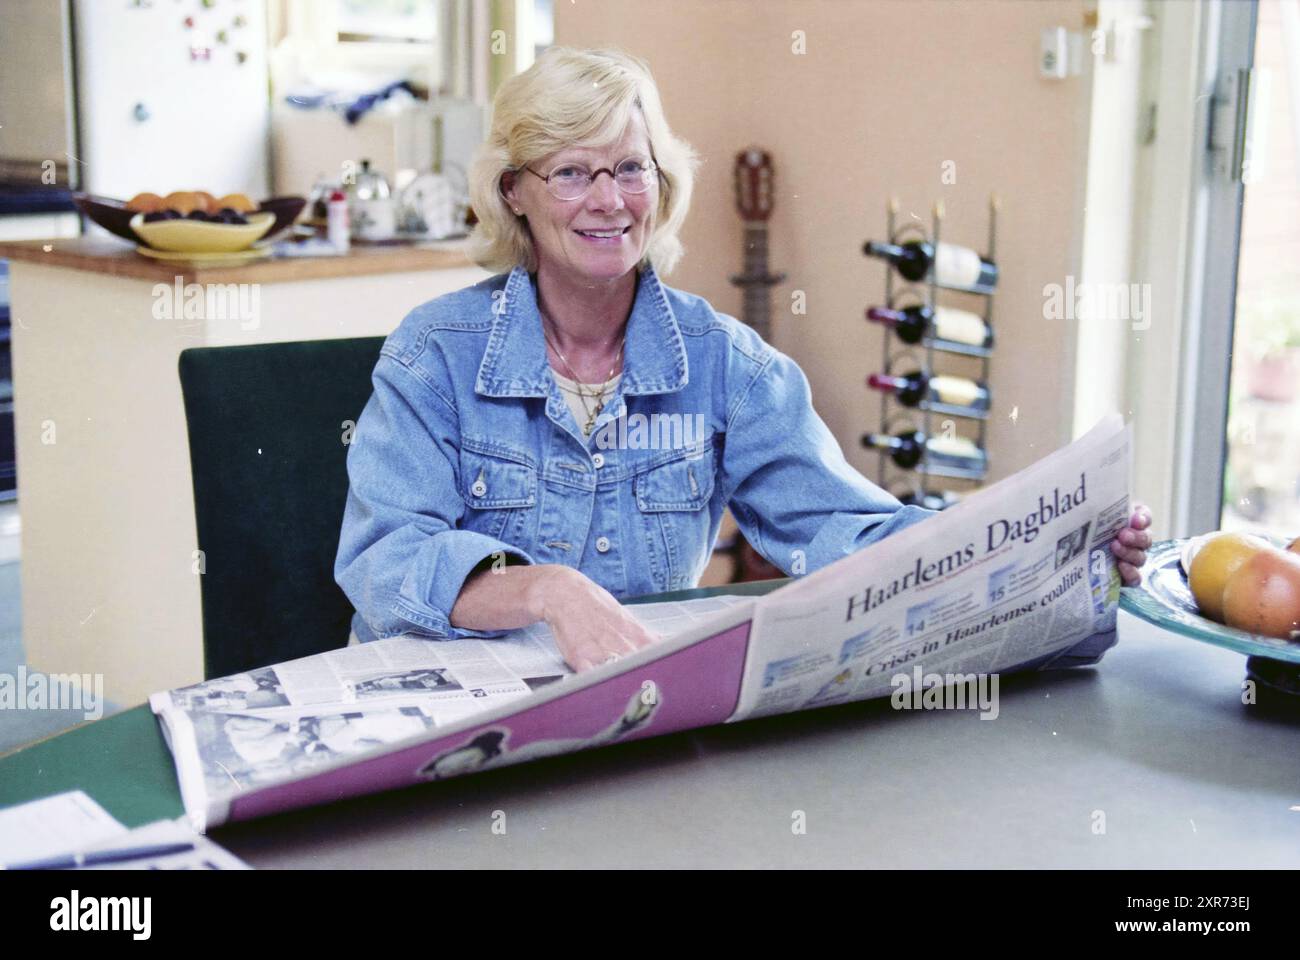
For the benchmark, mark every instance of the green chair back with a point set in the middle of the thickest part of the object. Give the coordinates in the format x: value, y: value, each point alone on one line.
x: 266, y: 428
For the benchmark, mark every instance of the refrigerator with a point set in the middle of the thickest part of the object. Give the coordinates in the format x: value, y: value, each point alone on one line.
x: 171, y: 95
x: 122, y: 96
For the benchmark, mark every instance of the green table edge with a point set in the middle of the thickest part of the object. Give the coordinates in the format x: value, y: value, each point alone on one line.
x: 121, y: 761
x: 124, y: 764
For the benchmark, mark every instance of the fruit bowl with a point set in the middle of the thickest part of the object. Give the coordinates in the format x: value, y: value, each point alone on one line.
x: 115, y: 217
x: 200, y: 236
x: 1166, y: 600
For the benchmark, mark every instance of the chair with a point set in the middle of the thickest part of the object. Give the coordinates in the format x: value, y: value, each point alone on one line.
x: 270, y: 481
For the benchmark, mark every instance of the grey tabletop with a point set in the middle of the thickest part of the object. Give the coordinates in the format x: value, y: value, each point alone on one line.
x: 1149, y: 759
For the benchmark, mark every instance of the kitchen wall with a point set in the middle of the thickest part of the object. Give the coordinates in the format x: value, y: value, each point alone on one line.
x: 886, y: 93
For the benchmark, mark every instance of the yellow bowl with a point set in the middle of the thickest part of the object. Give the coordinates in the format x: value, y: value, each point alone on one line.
x: 199, y: 236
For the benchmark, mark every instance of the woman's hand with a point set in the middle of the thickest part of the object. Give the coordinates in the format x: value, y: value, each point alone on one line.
x: 589, y: 625
x: 1130, y: 545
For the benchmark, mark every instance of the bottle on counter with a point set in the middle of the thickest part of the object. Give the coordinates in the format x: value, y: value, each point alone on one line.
x: 318, y: 202
x: 913, y: 388
x: 913, y: 324
x: 338, y: 230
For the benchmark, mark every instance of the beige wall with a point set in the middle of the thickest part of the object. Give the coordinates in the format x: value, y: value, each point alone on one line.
x: 887, y: 91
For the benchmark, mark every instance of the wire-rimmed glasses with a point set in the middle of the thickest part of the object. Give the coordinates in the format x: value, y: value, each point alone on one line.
x: 570, y: 181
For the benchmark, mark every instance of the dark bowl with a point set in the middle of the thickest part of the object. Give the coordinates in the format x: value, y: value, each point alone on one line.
x: 286, y: 210
x: 114, y: 217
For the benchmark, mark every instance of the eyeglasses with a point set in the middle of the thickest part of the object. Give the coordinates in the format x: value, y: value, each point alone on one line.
x: 569, y: 181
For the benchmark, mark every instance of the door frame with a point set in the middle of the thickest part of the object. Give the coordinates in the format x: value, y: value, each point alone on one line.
x: 1191, y: 228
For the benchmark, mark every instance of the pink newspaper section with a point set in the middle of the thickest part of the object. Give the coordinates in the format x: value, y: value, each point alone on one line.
x: 693, y: 687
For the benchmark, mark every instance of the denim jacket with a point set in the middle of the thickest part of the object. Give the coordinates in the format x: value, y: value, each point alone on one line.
x: 467, y: 451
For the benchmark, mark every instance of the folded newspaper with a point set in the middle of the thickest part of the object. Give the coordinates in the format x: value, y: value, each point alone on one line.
x: 1017, y: 576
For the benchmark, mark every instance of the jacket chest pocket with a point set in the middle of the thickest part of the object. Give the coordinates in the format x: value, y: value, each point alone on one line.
x: 672, y: 502
x: 499, y: 487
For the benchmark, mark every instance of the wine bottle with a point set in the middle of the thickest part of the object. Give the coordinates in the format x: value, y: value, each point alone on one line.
x: 914, y: 323
x: 913, y: 388
x: 956, y: 268
x: 905, y: 449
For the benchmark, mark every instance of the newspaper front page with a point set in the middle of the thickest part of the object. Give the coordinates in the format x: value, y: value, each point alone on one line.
x: 1010, y: 576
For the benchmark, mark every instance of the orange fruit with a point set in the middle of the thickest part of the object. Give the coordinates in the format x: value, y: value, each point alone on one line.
x: 183, y: 202
x: 237, y: 201
x: 145, y: 203
x: 1214, y: 563
x: 1263, y: 595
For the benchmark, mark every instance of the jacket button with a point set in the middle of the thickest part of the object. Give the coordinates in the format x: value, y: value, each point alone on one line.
x: 598, y: 460
x: 602, y: 544
x: 479, y: 489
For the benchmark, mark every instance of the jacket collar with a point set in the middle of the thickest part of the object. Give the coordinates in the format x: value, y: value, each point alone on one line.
x: 514, y: 363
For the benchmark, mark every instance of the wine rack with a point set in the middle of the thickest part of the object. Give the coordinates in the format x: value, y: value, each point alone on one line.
x: 929, y: 413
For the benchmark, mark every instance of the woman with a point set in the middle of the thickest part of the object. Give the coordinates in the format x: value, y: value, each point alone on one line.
x: 571, y: 431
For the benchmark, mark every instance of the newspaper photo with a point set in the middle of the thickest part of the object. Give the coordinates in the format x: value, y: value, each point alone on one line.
x: 273, y: 724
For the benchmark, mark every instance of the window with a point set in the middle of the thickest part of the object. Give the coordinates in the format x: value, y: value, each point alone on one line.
x: 386, y: 21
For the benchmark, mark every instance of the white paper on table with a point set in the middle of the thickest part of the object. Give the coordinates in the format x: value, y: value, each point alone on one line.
x: 54, y: 825
x: 205, y: 855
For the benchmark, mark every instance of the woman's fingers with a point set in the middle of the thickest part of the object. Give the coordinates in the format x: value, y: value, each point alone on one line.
x: 590, y: 658
x: 1134, y: 555
x: 642, y: 637
x: 595, y: 640
x: 1130, y: 537
x: 1130, y: 561
x: 625, y: 643
x: 1131, y: 543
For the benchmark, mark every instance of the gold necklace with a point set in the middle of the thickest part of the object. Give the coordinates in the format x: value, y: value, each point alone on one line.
x: 583, y: 397
x: 592, y: 414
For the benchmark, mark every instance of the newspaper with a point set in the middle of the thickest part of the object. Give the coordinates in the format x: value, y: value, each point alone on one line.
x: 1017, y: 576
x: 235, y: 733
x: 999, y: 582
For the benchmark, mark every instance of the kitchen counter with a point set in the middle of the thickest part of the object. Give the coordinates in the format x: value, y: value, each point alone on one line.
x: 115, y: 257
x: 104, y: 484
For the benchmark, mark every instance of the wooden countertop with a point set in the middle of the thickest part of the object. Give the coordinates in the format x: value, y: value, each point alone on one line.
x: 114, y: 257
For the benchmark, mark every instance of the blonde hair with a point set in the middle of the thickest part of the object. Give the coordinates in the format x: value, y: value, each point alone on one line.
x: 573, y: 98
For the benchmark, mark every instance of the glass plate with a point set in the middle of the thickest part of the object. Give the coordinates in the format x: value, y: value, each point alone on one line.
x: 1165, y: 600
